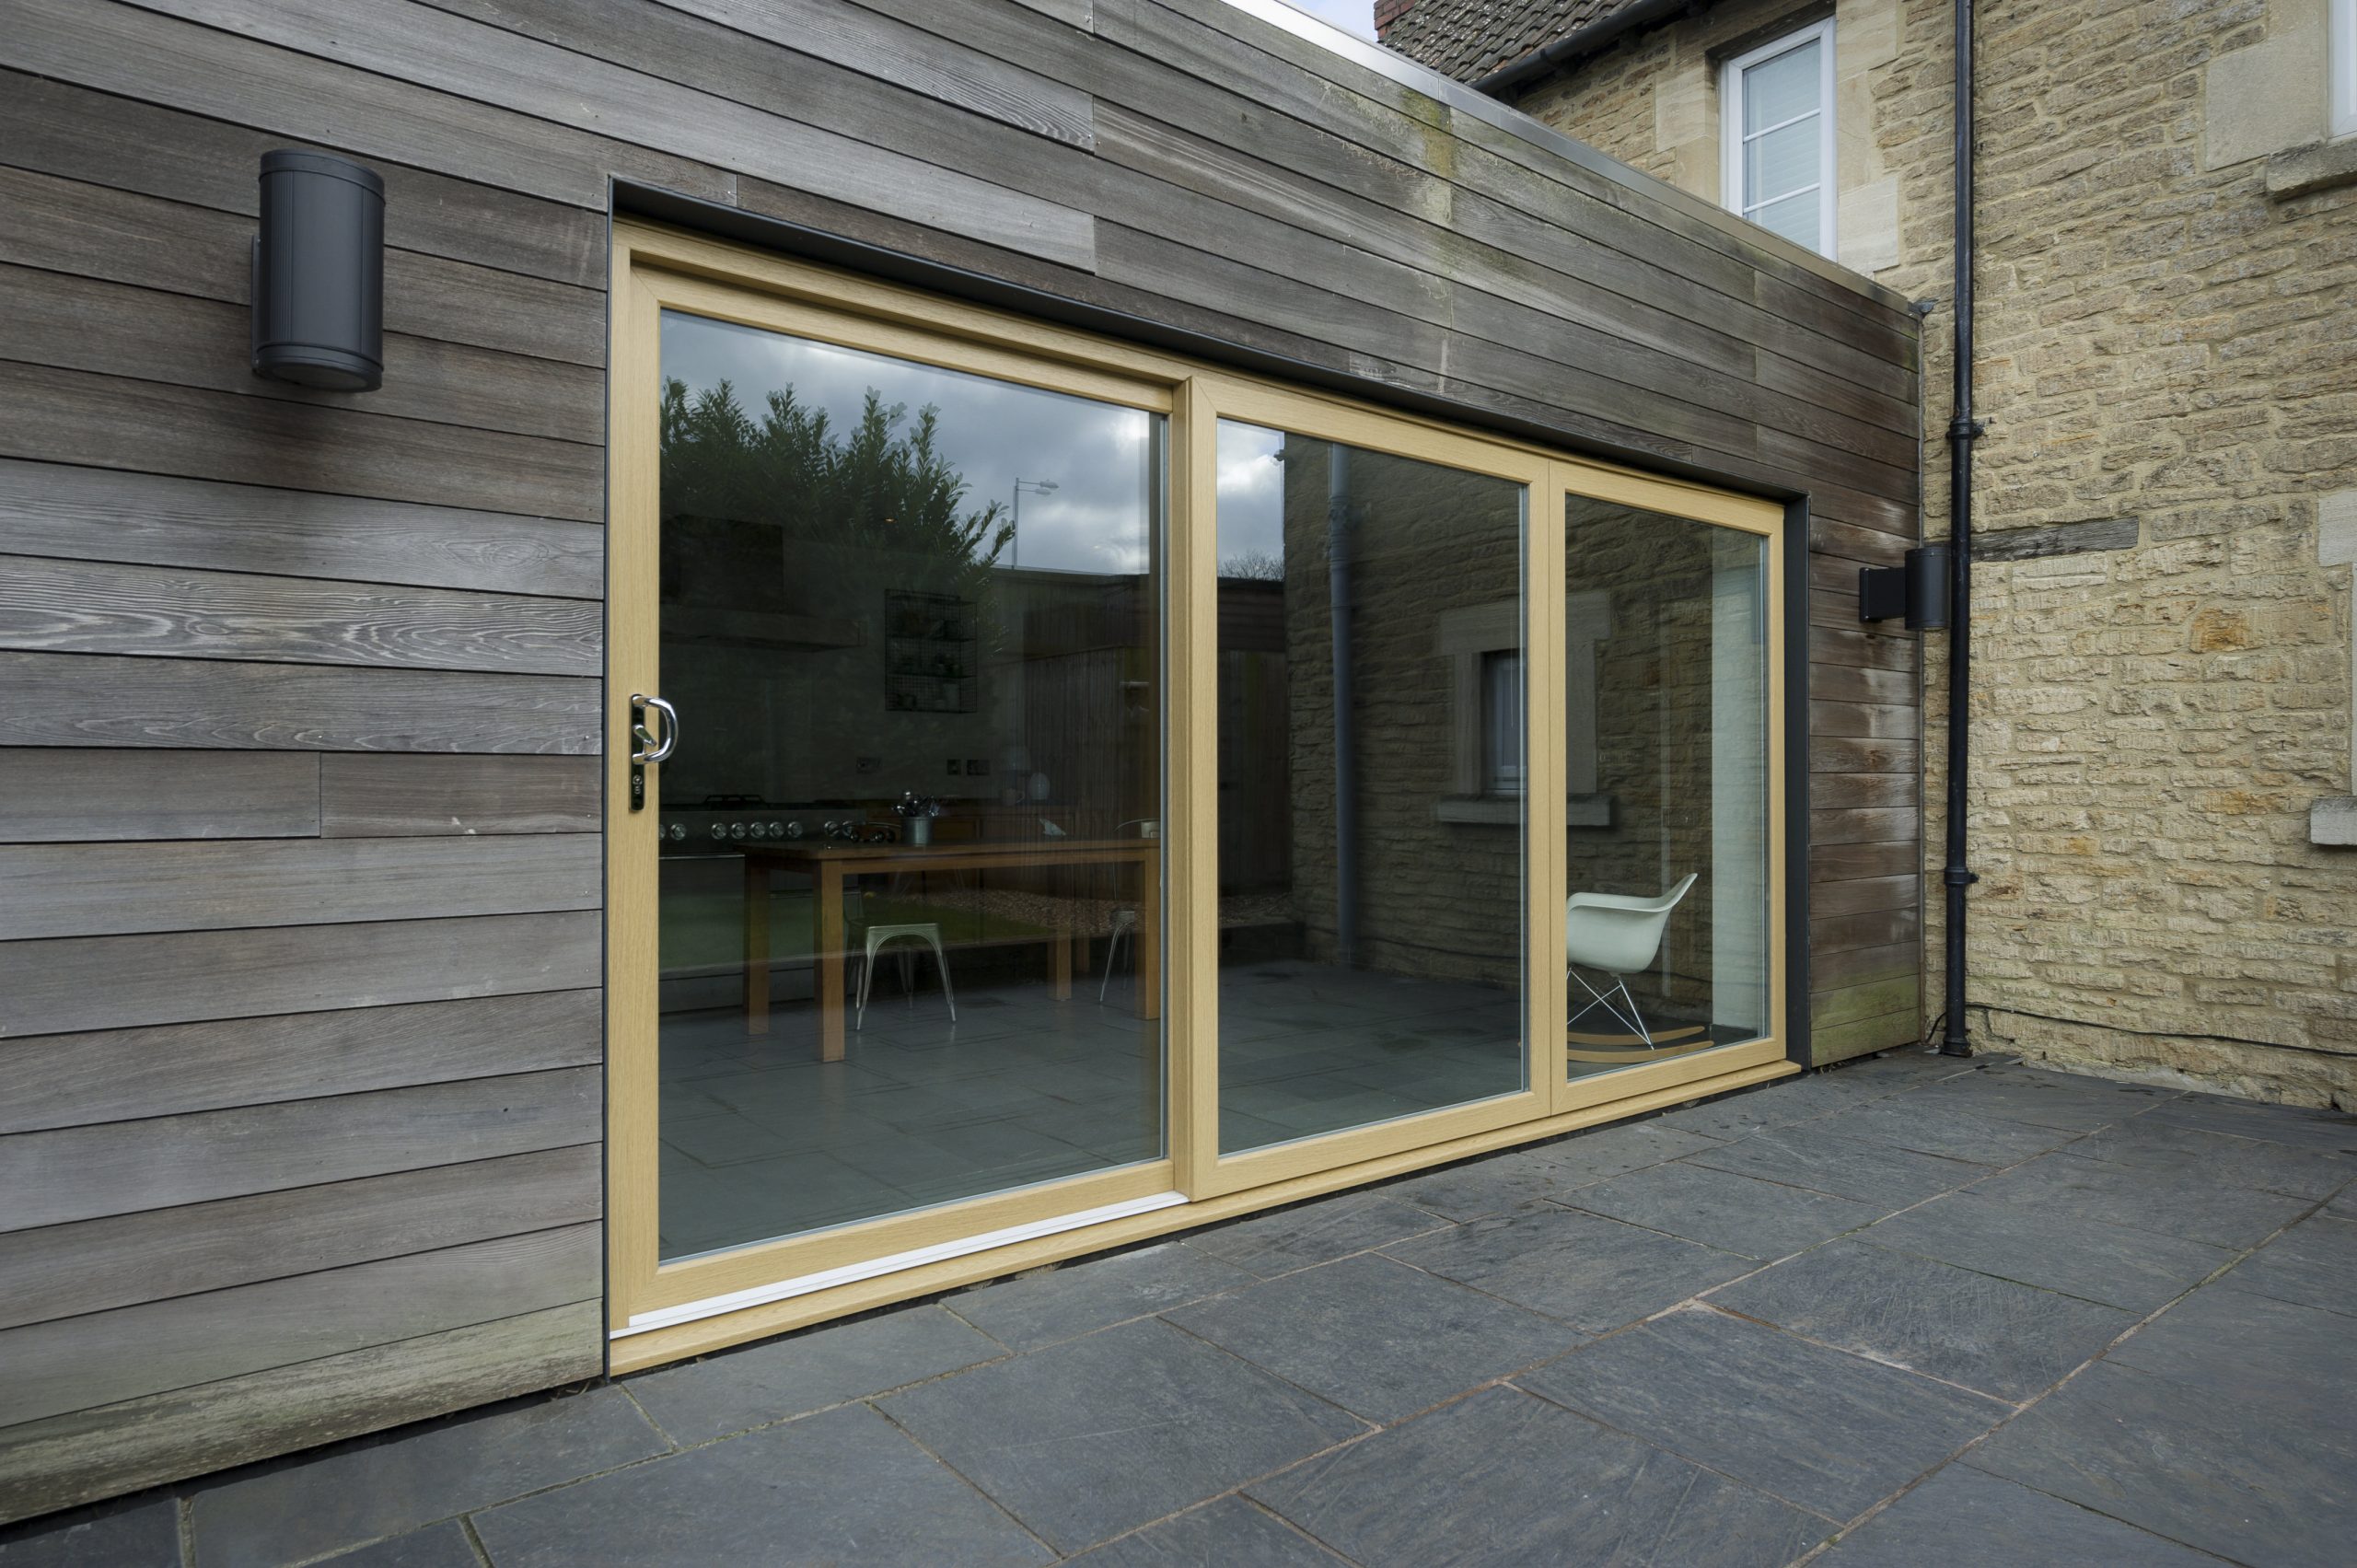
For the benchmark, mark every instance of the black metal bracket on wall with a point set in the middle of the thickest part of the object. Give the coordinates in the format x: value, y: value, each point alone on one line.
x: 1917, y: 591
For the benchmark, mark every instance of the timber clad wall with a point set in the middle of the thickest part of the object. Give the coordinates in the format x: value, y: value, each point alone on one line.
x: 299, y: 954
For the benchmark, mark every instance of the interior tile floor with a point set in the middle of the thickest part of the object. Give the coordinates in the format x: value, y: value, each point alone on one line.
x: 1909, y: 1311
x: 761, y: 1139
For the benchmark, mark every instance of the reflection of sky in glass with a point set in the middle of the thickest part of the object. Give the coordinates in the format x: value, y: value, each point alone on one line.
x: 1097, y: 454
x: 1251, y: 495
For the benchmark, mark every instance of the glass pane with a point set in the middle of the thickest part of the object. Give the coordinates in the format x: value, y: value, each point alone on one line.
x: 1371, y: 895
x: 909, y: 620
x: 1781, y: 163
x: 1666, y: 753
x: 1777, y: 89
x: 1794, y: 217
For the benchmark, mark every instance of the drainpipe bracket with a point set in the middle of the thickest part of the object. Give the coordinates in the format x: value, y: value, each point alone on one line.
x: 1957, y: 876
x: 1966, y: 429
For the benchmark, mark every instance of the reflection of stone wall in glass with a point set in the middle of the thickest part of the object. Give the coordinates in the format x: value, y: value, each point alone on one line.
x: 1435, y: 899
x: 1680, y: 748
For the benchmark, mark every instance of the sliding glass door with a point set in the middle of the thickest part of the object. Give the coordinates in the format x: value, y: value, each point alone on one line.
x: 1672, y: 777
x: 1060, y: 792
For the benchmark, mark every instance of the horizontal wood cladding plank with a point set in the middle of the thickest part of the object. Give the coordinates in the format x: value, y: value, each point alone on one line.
x: 215, y: 885
x: 76, y: 1080
x: 1889, y: 1032
x: 107, y: 982
x: 59, y: 1176
x: 1848, y: 862
x: 1653, y: 332
x: 115, y: 329
x: 51, y: 508
x: 95, y: 700
x: 97, y: 1265
x: 1861, y: 683
x: 1864, y: 928
x: 488, y: 65
x: 1865, y: 893
x: 1863, y: 825
x: 1679, y: 212
x: 1844, y: 754
x: 1863, y: 966
x: 1271, y: 66
x: 72, y: 416
x: 1866, y: 721
x: 77, y: 607
x: 1372, y: 336
x: 115, y: 49
x: 70, y: 1364
x: 367, y: 795
x: 97, y: 231
x: 58, y: 128
x: 653, y: 38
x: 1840, y: 789
x: 1873, y: 646
x: 70, y: 796
x: 110, y: 1449
x: 1850, y: 1003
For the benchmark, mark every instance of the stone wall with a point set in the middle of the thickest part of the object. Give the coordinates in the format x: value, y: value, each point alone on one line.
x: 2168, y: 368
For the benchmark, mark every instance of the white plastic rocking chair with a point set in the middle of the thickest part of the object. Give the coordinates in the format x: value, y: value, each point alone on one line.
x: 1615, y: 935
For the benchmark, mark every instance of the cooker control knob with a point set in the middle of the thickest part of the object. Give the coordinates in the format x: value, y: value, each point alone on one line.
x: 736, y: 830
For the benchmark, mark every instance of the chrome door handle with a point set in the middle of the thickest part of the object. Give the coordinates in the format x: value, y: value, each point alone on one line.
x: 644, y: 747
x: 649, y: 749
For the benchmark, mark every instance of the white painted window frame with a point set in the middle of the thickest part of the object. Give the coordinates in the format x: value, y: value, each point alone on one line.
x: 1731, y: 117
x: 2341, y: 74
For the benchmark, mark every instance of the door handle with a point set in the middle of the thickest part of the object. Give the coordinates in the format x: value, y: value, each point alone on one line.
x: 649, y: 749
x: 645, y: 745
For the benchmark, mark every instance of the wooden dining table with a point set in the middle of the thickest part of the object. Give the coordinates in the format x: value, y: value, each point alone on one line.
x: 829, y: 865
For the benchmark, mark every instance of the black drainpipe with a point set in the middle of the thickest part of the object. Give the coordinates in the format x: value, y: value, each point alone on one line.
x: 1963, y: 431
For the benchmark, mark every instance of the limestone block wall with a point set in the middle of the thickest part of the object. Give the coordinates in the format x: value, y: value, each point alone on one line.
x: 2163, y: 665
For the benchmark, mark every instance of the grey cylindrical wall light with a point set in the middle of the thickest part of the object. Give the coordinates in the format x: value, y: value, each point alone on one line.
x: 318, y: 273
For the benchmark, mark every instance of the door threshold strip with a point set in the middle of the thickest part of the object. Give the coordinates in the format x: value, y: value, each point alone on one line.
x: 892, y: 1263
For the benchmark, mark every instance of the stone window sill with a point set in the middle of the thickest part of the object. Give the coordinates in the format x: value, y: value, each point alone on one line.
x: 2320, y: 165
x: 1505, y: 810
x: 2333, y: 820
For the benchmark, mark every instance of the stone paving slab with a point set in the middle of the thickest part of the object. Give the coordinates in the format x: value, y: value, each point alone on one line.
x: 2134, y: 1269
x: 1377, y: 1337
x: 1551, y: 1488
x: 1994, y: 1336
x: 1718, y: 1208
x: 1966, y: 1519
x: 1933, y: 1311
x: 1090, y: 1439
x: 291, y: 1512
x: 844, y: 1486
x: 1829, y: 1431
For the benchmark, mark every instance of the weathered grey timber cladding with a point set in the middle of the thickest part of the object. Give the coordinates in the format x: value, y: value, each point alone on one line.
x: 299, y: 692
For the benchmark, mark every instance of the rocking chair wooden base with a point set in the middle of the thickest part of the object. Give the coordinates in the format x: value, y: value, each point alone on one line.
x: 1620, y: 1048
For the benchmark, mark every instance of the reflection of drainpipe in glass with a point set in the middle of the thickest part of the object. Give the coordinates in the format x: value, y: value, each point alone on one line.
x: 1346, y: 780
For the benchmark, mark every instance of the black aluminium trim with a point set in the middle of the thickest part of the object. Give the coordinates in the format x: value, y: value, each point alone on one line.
x: 1798, y: 1045
x: 963, y: 282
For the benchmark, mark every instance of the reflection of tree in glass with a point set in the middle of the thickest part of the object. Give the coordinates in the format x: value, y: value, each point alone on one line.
x: 873, y: 487
x: 1254, y: 565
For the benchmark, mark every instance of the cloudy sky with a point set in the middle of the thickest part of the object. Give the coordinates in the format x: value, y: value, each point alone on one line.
x: 1354, y: 16
x: 1097, y: 456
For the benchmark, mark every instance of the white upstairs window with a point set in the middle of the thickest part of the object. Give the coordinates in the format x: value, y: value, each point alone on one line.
x: 2343, y: 74
x: 1776, y: 108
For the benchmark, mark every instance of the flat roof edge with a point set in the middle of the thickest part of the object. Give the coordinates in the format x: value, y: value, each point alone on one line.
x: 1463, y: 100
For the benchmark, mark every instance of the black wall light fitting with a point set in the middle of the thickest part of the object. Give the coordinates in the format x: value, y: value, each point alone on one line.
x: 318, y: 273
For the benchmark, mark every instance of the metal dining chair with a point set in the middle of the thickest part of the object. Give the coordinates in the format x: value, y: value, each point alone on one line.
x: 873, y: 939
x: 1615, y: 935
